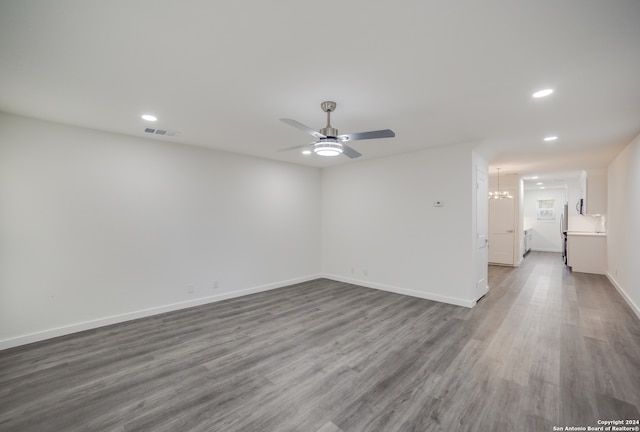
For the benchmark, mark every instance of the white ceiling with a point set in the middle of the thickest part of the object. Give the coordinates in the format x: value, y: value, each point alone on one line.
x: 436, y: 72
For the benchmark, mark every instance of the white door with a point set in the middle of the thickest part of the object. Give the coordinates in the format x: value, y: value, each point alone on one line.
x: 502, y: 230
x: 482, y: 238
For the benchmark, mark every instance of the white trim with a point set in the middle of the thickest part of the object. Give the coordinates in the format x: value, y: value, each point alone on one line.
x: 403, y: 291
x: 546, y: 250
x: 115, y: 319
x: 624, y: 295
x: 484, y: 293
x: 506, y: 265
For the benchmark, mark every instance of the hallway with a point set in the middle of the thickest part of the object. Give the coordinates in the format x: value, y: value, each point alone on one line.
x: 566, y: 342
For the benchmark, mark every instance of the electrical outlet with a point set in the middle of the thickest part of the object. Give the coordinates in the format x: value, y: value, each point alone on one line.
x: 365, y: 272
x: 215, y: 284
x: 191, y: 289
x: 352, y: 270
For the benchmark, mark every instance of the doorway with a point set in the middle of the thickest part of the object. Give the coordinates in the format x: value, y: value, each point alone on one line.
x: 502, y: 232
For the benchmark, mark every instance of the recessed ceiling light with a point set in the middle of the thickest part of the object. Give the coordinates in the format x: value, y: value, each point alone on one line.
x: 534, y: 178
x: 539, y: 183
x: 550, y: 138
x: 149, y: 117
x: 542, y: 93
x: 541, y: 187
x: 306, y: 152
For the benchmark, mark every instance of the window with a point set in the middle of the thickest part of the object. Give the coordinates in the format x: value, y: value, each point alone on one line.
x: 546, y: 210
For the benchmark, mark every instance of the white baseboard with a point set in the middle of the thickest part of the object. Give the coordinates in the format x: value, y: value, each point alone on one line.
x: 624, y: 295
x: 404, y: 291
x: 115, y: 319
x: 546, y: 250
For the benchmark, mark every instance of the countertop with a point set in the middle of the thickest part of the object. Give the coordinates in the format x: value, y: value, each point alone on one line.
x: 586, y: 234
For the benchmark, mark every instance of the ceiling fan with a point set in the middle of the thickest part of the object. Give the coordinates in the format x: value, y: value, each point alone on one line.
x: 329, y: 142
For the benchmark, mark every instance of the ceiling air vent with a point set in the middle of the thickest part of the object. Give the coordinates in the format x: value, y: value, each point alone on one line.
x: 161, y: 132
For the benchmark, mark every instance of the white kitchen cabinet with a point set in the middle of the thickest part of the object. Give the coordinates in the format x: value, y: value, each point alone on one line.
x: 587, y: 252
x: 593, y: 190
x: 596, y: 194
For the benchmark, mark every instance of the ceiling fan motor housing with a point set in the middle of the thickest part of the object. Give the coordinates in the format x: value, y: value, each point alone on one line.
x: 329, y: 132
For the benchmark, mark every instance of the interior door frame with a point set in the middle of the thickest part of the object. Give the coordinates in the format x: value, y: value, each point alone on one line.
x: 482, y: 233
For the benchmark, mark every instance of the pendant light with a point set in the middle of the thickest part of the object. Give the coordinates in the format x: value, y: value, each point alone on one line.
x: 497, y: 194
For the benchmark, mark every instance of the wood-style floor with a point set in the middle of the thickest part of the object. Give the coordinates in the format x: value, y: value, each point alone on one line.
x: 544, y: 348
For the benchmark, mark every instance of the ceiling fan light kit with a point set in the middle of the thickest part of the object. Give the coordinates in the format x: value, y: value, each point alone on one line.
x: 329, y: 142
x: 327, y: 147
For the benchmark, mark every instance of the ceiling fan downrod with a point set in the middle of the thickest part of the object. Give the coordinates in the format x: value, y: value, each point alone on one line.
x: 328, y: 131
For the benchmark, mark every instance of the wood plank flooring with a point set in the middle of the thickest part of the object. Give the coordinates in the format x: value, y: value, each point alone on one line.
x: 546, y: 347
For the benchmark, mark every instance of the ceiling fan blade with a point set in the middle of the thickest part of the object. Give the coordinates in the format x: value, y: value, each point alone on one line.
x: 302, y: 127
x: 348, y: 151
x: 295, y: 147
x: 385, y: 133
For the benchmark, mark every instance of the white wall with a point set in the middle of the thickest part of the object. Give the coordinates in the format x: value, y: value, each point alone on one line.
x: 96, y: 227
x: 381, y: 229
x: 623, y: 226
x: 546, y: 234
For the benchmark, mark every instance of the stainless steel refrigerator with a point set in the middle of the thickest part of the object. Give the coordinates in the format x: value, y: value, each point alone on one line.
x: 564, y: 226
